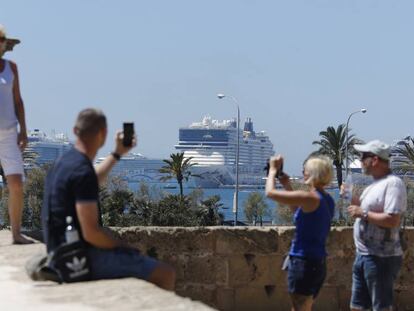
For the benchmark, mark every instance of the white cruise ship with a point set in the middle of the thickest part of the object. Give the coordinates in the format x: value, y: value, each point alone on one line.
x: 135, y: 168
x: 398, y: 159
x: 47, y: 148
x: 212, y: 144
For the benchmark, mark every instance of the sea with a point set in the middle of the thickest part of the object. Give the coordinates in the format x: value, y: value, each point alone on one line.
x: 226, y: 198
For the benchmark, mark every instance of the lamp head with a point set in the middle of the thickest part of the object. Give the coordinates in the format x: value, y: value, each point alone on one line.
x: 363, y: 110
x: 221, y: 96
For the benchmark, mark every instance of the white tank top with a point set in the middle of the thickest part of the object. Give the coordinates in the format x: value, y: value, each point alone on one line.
x: 8, y: 117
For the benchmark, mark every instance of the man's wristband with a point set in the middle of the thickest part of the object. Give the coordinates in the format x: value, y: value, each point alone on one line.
x: 116, y: 156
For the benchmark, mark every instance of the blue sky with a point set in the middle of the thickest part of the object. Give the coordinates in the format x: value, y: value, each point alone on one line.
x: 295, y: 67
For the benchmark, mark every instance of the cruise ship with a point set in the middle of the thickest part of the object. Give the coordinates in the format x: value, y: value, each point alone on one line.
x: 212, y: 144
x: 398, y: 159
x: 46, y: 148
x: 135, y: 168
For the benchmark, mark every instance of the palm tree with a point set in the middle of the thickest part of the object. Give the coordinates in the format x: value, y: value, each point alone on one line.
x: 406, y: 163
x: 333, y: 143
x: 178, y: 168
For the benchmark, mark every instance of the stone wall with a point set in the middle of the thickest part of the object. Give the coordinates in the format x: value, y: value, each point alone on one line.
x: 239, y: 268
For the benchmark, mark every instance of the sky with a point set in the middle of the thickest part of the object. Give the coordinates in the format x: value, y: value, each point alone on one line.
x: 295, y: 67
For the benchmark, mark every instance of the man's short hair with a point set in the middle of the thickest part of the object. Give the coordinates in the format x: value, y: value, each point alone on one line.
x: 89, y: 122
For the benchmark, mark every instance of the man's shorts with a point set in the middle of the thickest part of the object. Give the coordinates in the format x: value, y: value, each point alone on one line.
x: 120, y: 263
x: 373, y: 280
x: 306, y: 276
x: 10, y: 155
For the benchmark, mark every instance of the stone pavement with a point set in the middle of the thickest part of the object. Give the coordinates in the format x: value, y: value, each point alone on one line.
x: 18, y: 292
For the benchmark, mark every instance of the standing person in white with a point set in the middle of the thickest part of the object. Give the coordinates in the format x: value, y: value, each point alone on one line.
x: 378, y: 215
x: 12, y: 140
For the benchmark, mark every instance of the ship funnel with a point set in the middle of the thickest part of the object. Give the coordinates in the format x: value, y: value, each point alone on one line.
x: 248, y: 125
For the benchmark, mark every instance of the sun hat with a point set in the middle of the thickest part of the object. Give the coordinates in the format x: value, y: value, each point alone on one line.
x: 10, y: 42
x: 377, y: 147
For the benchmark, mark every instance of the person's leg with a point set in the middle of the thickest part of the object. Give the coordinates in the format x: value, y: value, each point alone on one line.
x: 380, y: 273
x: 301, y: 302
x: 360, y: 299
x: 127, y: 262
x: 15, y: 187
x: 12, y: 164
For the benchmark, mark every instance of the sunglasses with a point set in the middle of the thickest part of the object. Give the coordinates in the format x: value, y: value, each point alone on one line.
x: 367, y: 155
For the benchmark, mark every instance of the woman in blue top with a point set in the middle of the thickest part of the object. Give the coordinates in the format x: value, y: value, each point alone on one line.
x: 313, y: 211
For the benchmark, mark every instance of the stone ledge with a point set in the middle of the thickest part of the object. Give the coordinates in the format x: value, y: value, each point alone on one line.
x: 17, y: 292
x: 225, y: 267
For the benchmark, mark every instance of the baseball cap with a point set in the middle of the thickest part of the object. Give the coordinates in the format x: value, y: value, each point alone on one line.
x: 377, y: 147
x: 10, y: 42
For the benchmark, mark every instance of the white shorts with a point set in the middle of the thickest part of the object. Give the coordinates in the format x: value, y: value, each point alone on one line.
x: 10, y: 156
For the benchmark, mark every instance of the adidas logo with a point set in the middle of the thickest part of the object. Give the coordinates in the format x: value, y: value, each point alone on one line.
x: 78, y: 267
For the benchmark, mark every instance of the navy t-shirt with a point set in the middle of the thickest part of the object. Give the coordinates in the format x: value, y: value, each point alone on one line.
x: 71, y: 179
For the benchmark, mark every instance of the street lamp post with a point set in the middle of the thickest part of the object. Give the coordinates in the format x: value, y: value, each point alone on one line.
x: 236, y: 188
x: 363, y: 110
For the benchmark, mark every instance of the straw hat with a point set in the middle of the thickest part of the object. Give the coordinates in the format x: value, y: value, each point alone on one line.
x: 10, y: 42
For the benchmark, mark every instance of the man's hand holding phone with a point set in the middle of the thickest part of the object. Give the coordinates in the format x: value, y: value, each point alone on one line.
x: 125, y: 140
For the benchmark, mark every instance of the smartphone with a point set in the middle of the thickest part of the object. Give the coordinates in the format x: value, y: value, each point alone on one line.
x: 128, y: 133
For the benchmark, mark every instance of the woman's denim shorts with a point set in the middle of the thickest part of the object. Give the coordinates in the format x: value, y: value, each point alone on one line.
x: 306, y: 276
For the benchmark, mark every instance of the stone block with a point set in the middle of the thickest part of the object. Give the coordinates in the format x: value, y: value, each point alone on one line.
x: 200, y: 270
x: 221, y: 270
x: 344, y: 297
x: 246, y: 240
x: 167, y: 240
x: 225, y: 299
x: 285, y: 236
x: 252, y: 270
x: 339, y: 271
x: 404, y: 300
x: 262, y: 298
x: 327, y: 300
x: 204, y: 293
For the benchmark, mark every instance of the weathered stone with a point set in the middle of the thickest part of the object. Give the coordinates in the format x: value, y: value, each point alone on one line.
x: 339, y: 271
x: 17, y: 292
x: 222, y: 270
x: 327, y: 300
x: 261, y: 299
x: 344, y: 297
x: 285, y: 236
x: 172, y: 239
x: 200, y: 292
x: 246, y: 240
x: 200, y: 270
x: 225, y: 299
x: 239, y: 268
x: 253, y: 270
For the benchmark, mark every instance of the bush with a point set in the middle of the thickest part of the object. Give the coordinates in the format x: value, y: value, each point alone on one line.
x: 255, y: 208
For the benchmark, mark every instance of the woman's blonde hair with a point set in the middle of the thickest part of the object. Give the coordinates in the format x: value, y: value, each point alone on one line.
x: 320, y: 171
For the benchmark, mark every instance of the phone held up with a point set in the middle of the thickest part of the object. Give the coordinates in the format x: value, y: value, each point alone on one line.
x: 128, y: 128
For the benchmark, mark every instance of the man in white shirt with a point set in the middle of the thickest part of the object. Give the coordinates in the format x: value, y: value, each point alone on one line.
x: 12, y: 141
x: 378, y: 214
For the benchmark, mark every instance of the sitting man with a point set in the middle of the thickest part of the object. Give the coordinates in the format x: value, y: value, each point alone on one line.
x: 71, y: 189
